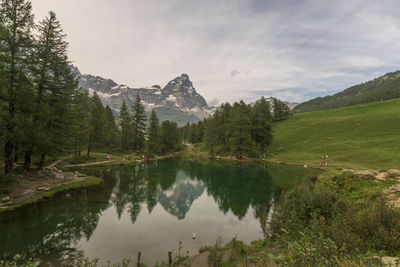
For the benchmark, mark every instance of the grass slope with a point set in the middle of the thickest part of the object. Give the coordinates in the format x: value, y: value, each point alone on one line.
x: 365, y: 136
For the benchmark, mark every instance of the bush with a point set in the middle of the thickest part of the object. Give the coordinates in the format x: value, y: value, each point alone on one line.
x: 357, y: 227
x: 313, y: 249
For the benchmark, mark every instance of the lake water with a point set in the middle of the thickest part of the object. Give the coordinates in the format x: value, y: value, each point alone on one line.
x: 149, y: 209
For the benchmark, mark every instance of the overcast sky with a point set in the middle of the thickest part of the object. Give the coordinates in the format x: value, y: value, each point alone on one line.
x: 294, y: 50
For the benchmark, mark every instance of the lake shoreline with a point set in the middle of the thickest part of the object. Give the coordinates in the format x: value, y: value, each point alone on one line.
x: 46, y: 191
x: 32, y: 188
x: 87, y: 181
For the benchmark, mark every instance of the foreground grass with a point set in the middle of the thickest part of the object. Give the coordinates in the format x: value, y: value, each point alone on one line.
x: 360, y: 137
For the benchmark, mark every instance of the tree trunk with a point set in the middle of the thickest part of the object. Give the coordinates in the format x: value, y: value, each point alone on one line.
x: 16, y: 153
x: 76, y: 149
x: 41, y: 163
x: 8, y: 157
x: 27, y: 160
x: 88, y: 150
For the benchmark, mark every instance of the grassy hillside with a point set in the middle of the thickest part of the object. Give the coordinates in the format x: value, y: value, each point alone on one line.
x: 382, y: 88
x: 365, y: 136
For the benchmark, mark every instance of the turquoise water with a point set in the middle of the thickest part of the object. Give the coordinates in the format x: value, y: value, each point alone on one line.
x: 150, y: 209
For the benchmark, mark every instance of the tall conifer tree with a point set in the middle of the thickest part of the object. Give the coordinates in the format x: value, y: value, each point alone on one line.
x: 240, y: 137
x: 97, y: 122
x: 15, y: 44
x: 153, y: 141
x: 138, y: 125
x: 125, y: 123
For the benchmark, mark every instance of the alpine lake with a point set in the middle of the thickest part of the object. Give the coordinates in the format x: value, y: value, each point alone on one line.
x: 151, y: 209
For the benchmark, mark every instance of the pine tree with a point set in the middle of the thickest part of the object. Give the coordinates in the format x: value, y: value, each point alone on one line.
x: 211, y: 133
x: 261, y: 118
x: 111, y: 129
x: 97, y: 122
x: 125, y: 123
x: 138, y: 125
x: 239, y: 128
x: 81, y: 117
x: 281, y: 111
x: 55, y: 88
x: 168, y: 137
x: 15, y: 45
x: 153, y: 141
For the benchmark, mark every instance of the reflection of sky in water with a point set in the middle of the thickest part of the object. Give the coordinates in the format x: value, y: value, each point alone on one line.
x: 148, y: 209
x: 156, y: 233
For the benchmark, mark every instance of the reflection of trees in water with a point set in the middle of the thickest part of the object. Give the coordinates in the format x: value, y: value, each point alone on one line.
x: 234, y: 188
x: 51, y: 229
x: 176, y: 184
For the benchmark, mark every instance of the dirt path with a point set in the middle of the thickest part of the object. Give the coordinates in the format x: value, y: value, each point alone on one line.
x: 54, y: 164
x: 89, y: 163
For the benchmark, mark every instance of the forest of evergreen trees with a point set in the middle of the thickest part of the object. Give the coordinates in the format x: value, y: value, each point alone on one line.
x: 42, y: 110
x: 237, y: 129
x: 44, y: 113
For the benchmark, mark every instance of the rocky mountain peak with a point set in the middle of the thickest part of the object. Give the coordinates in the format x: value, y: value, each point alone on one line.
x: 178, y: 97
x: 75, y: 71
x: 182, y: 90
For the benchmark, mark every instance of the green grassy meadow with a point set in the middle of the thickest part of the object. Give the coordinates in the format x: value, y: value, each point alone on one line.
x: 365, y: 136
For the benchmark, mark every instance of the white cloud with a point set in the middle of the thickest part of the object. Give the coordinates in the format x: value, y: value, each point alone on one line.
x: 233, y: 49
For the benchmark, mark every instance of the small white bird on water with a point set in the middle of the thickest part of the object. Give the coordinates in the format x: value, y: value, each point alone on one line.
x: 194, y: 236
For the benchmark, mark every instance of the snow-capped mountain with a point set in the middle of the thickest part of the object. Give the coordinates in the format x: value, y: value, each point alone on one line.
x: 270, y: 100
x: 177, y: 101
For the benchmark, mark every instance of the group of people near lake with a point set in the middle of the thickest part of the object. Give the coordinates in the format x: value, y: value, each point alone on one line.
x: 323, y: 163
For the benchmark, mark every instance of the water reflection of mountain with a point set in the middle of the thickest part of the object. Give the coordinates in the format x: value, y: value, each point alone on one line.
x: 52, y: 229
x: 180, y: 196
x: 177, y: 184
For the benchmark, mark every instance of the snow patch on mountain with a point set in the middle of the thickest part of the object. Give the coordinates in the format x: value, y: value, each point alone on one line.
x: 179, y: 95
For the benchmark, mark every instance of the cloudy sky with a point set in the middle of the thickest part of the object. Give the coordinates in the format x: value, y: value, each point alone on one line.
x: 233, y: 49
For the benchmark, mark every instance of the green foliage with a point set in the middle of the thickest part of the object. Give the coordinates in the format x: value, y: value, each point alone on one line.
x: 211, y: 133
x: 281, y: 111
x: 15, y: 44
x: 355, y: 227
x: 97, y: 123
x: 125, y: 123
x: 153, y: 138
x: 240, y: 130
x: 261, y: 130
x: 169, y: 138
x: 312, y: 249
x: 383, y: 88
x: 138, y: 125
x: 18, y: 261
x: 215, y: 257
x: 180, y: 260
x: 80, y: 117
x: 6, y: 184
x: 111, y: 135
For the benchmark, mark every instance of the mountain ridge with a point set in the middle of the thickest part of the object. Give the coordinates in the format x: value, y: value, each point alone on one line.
x: 384, y: 87
x: 178, y: 100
